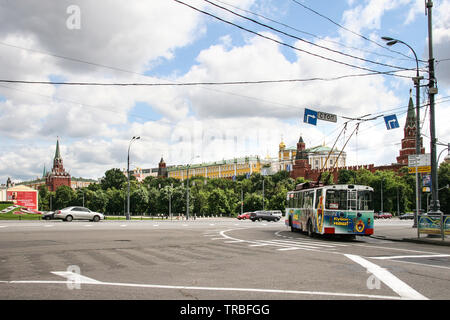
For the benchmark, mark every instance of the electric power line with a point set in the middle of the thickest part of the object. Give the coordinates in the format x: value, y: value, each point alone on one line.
x: 283, y: 43
x: 351, y: 31
x: 303, y: 40
x: 314, y: 35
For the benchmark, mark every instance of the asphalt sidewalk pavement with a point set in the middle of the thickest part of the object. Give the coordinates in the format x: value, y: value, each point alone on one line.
x: 397, y: 230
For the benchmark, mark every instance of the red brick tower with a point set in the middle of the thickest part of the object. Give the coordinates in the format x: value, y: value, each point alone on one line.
x: 409, y: 139
x: 162, y: 170
x: 301, y: 165
x: 58, y: 176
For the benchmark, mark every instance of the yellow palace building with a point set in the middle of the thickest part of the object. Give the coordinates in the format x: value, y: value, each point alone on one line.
x: 217, y: 169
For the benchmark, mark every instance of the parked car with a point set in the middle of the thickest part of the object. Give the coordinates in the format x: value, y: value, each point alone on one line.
x: 244, y: 216
x: 48, y: 215
x: 276, y: 213
x: 384, y: 215
x: 406, y: 216
x: 264, y: 215
x: 78, y: 213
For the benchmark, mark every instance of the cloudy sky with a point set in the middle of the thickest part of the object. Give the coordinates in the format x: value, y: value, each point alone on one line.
x: 167, y: 43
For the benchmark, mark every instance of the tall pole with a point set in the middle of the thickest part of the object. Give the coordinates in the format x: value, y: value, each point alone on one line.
x: 263, y: 192
x: 242, y: 200
x: 382, y: 179
x: 187, y: 193
x: 416, y: 81
x: 128, y: 177
x: 435, y: 206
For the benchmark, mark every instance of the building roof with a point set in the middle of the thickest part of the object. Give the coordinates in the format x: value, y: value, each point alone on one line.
x: 215, y: 163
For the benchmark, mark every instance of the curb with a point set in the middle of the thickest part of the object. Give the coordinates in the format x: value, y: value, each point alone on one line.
x: 415, y: 240
x: 428, y: 241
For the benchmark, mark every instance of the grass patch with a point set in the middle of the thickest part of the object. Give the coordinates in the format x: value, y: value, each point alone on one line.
x: 11, y: 216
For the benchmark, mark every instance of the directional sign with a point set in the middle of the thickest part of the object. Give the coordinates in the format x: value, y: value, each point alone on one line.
x: 419, y: 160
x: 422, y: 169
x: 391, y: 122
x: 326, y: 116
x: 310, y: 117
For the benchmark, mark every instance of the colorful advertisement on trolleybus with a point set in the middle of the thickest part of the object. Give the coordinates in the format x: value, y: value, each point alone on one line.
x: 335, y: 209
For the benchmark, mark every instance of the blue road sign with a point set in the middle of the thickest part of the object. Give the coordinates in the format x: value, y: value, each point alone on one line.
x: 310, y: 117
x: 391, y: 122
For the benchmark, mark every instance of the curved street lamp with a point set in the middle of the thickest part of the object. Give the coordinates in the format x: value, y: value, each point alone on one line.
x: 128, y: 176
x: 416, y: 80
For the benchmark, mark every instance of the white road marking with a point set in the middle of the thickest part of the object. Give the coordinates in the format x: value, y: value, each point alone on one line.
x: 123, y: 225
x: 413, y: 256
x: 75, y: 277
x: 71, y: 277
x: 288, y: 249
x: 2, y: 226
x: 300, y: 246
x: 303, y: 243
x: 401, y: 288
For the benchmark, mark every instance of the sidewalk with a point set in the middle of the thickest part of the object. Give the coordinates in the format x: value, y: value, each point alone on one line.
x: 397, y: 230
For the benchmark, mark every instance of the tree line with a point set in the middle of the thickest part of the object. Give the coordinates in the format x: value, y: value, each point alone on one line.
x: 226, y: 197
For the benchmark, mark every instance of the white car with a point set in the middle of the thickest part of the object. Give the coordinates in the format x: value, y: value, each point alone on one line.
x: 78, y: 213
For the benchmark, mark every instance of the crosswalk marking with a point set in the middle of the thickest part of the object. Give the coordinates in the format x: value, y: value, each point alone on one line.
x: 303, y: 243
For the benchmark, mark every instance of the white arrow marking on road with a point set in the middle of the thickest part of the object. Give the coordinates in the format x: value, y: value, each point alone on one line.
x: 405, y: 291
x: 75, y: 277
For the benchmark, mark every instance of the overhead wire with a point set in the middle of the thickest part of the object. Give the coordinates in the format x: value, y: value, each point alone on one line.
x: 303, y: 40
x: 349, y: 30
x: 283, y: 43
x: 325, y: 39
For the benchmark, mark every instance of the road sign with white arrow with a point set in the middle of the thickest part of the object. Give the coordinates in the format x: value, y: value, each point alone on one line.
x: 391, y: 122
x: 310, y: 117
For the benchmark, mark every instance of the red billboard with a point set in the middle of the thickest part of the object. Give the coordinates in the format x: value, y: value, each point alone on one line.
x: 27, y: 199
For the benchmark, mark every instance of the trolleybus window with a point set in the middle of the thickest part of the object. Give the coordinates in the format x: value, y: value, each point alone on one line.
x: 318, y: 195
x: 365, y: 200
x: 336, y: 200
x: 351, y: 200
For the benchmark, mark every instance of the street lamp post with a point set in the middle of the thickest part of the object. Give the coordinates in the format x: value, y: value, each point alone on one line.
x: 128, y: 176
x: 187, y: 187
x: 416, y: 80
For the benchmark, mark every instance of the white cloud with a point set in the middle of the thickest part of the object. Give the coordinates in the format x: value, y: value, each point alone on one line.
x: 215, y: 122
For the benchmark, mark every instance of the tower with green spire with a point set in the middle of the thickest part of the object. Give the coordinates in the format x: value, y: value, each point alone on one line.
x: 409, y: 135
x: 58, y: 176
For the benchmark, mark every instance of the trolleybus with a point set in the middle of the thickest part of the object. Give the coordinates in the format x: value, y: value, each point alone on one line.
x: 335, y: 209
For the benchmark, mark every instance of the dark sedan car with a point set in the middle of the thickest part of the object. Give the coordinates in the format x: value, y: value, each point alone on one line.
x: 49, y: 215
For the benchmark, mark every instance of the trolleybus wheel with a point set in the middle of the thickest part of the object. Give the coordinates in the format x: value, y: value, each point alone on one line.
x: 310, y: 229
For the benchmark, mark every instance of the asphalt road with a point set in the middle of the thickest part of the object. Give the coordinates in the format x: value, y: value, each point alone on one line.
x: 209, y: 259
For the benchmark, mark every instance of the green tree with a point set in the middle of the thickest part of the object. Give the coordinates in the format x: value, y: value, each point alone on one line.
x: 254, y: 202
x: 218, y: 202
x: 114, y: 178
x: 64, y: 197
x: 115, y: 201
x: 44, y: 197
x: 444, y: 193
x: 139, y: 200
